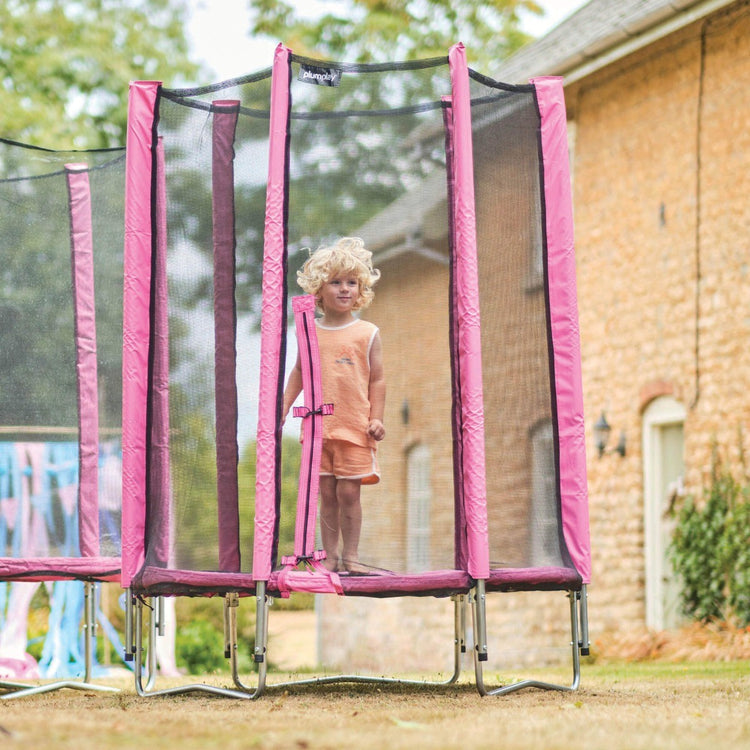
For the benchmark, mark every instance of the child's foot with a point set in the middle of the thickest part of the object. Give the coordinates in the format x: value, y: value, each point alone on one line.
x: 331, y: 564
x: 355, y: 567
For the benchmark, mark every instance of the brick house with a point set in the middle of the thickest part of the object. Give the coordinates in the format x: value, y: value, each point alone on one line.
x: 659, y: 149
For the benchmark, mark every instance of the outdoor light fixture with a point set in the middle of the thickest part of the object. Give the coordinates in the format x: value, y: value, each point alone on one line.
x: 405, y: 412
x: 601, y: 437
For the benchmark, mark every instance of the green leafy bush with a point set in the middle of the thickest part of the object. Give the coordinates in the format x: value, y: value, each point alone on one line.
x: 710, y: 552
x: 199, y: 648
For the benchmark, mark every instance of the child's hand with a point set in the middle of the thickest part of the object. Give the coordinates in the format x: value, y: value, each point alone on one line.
x: 376, y: 429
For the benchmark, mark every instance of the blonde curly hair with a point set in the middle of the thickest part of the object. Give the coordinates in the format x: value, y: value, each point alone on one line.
x: 347, y: 255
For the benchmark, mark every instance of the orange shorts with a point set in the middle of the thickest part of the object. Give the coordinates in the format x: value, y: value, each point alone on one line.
x: 345, y: 460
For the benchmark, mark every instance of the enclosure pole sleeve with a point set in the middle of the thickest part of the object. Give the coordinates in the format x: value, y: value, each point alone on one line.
x: 84, y: 311
x: 459, y: 509
x: 561, y: 280
x: 272, y: 321
x: 136, y: 303
x: 467, y: 310
x: 225, y: 329
x: 159, y: 484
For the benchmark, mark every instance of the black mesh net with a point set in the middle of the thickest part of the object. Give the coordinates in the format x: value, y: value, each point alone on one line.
x: 39, y: 403
x: 520, y: 430
x: 366, y: 158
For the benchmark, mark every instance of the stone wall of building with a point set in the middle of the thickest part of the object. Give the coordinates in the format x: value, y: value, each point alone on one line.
x: 661, y: 159
x: 661, y: 173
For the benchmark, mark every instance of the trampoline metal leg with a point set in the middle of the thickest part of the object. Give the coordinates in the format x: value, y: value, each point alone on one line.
x: 146, y: 691
x: 22, y: 690
x: 576, y: 649
x: 583, y: 610
x: 129, y: 621
x: 261, y: 639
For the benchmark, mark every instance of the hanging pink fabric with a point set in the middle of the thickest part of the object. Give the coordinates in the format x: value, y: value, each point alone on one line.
x: 564, y: 321
x: 272, y: 322
x: 467, y: 312
x: 136, y: 295
x: 84, y: 312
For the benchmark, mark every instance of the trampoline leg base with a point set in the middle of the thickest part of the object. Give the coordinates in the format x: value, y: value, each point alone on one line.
x: 136, y: 648
x: 579, y: 645
x: 459, y: 648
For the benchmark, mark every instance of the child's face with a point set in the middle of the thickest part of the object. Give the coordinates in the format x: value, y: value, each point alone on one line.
x: 339, y: 294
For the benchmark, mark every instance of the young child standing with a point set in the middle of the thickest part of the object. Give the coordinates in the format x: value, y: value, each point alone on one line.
x: 341, y: 277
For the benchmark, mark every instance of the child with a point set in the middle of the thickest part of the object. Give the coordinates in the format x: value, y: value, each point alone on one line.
x: 351, y: 355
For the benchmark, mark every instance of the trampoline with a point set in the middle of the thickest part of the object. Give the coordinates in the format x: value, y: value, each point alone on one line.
x: 60, y: 395
x: 460, y: 186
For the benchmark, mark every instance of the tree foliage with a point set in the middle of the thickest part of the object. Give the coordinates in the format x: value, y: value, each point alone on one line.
x: 380, y: 30
x: 65, y: 65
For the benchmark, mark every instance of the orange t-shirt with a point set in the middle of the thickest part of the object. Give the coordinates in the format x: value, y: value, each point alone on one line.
x: 345, y: 375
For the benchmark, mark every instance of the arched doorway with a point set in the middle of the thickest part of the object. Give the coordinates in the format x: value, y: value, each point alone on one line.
x: 663, y: 471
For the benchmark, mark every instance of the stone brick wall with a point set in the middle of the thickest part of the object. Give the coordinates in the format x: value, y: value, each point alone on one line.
x: 661, y: 165
x: 661, y: 157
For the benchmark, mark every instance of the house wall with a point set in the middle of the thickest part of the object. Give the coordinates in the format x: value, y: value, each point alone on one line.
x: 660, y: 182
x: 661, y: 158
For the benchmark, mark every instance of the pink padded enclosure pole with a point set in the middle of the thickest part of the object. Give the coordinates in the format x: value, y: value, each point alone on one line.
x: 273, y: 296
x: 564, y: 321
x: 225, y: 355
x: 160, y: 487
x: 82, y: 266
x: 136, y: 296
x: 467, y: 310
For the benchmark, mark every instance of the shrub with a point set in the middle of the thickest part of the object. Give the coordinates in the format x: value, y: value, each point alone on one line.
x: 199, y: 648
x: 710, y: 552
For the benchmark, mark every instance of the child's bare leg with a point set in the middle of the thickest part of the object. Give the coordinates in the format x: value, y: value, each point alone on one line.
x: 329, y: 521
x: 350, y: 509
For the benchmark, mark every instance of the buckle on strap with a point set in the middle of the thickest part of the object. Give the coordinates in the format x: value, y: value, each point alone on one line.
x: 302, y: 411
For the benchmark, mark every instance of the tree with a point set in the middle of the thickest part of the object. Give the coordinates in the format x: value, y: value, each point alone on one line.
x: 381, y: 30
x: 65, y: 65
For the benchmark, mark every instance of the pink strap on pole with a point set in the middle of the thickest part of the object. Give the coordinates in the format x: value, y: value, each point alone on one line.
x: 272, y: 321
x: 312, y: 426
x: 82, y: 265
x: 136, y: 303
x: 564, y: 321
x: 467, y: 310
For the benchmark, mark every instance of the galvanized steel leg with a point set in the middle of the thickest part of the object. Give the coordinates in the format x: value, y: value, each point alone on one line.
x: 89, y: 629
x: 576, y: 649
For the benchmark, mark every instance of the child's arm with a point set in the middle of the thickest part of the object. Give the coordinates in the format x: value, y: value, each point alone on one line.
x: 376, y: 390
x: 293, y: 388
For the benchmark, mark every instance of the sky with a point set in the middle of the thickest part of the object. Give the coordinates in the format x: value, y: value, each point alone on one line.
x: 218, y: 33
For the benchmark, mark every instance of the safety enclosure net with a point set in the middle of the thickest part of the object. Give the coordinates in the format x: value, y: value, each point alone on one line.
x: 444, y: 174
x: 61, y: 372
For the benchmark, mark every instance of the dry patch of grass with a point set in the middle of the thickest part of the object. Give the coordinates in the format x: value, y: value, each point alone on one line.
x: 637, y: 706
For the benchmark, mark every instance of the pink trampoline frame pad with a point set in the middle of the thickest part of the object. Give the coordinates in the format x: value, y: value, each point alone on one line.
x: 40, y: 569
x: 564, y: 321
